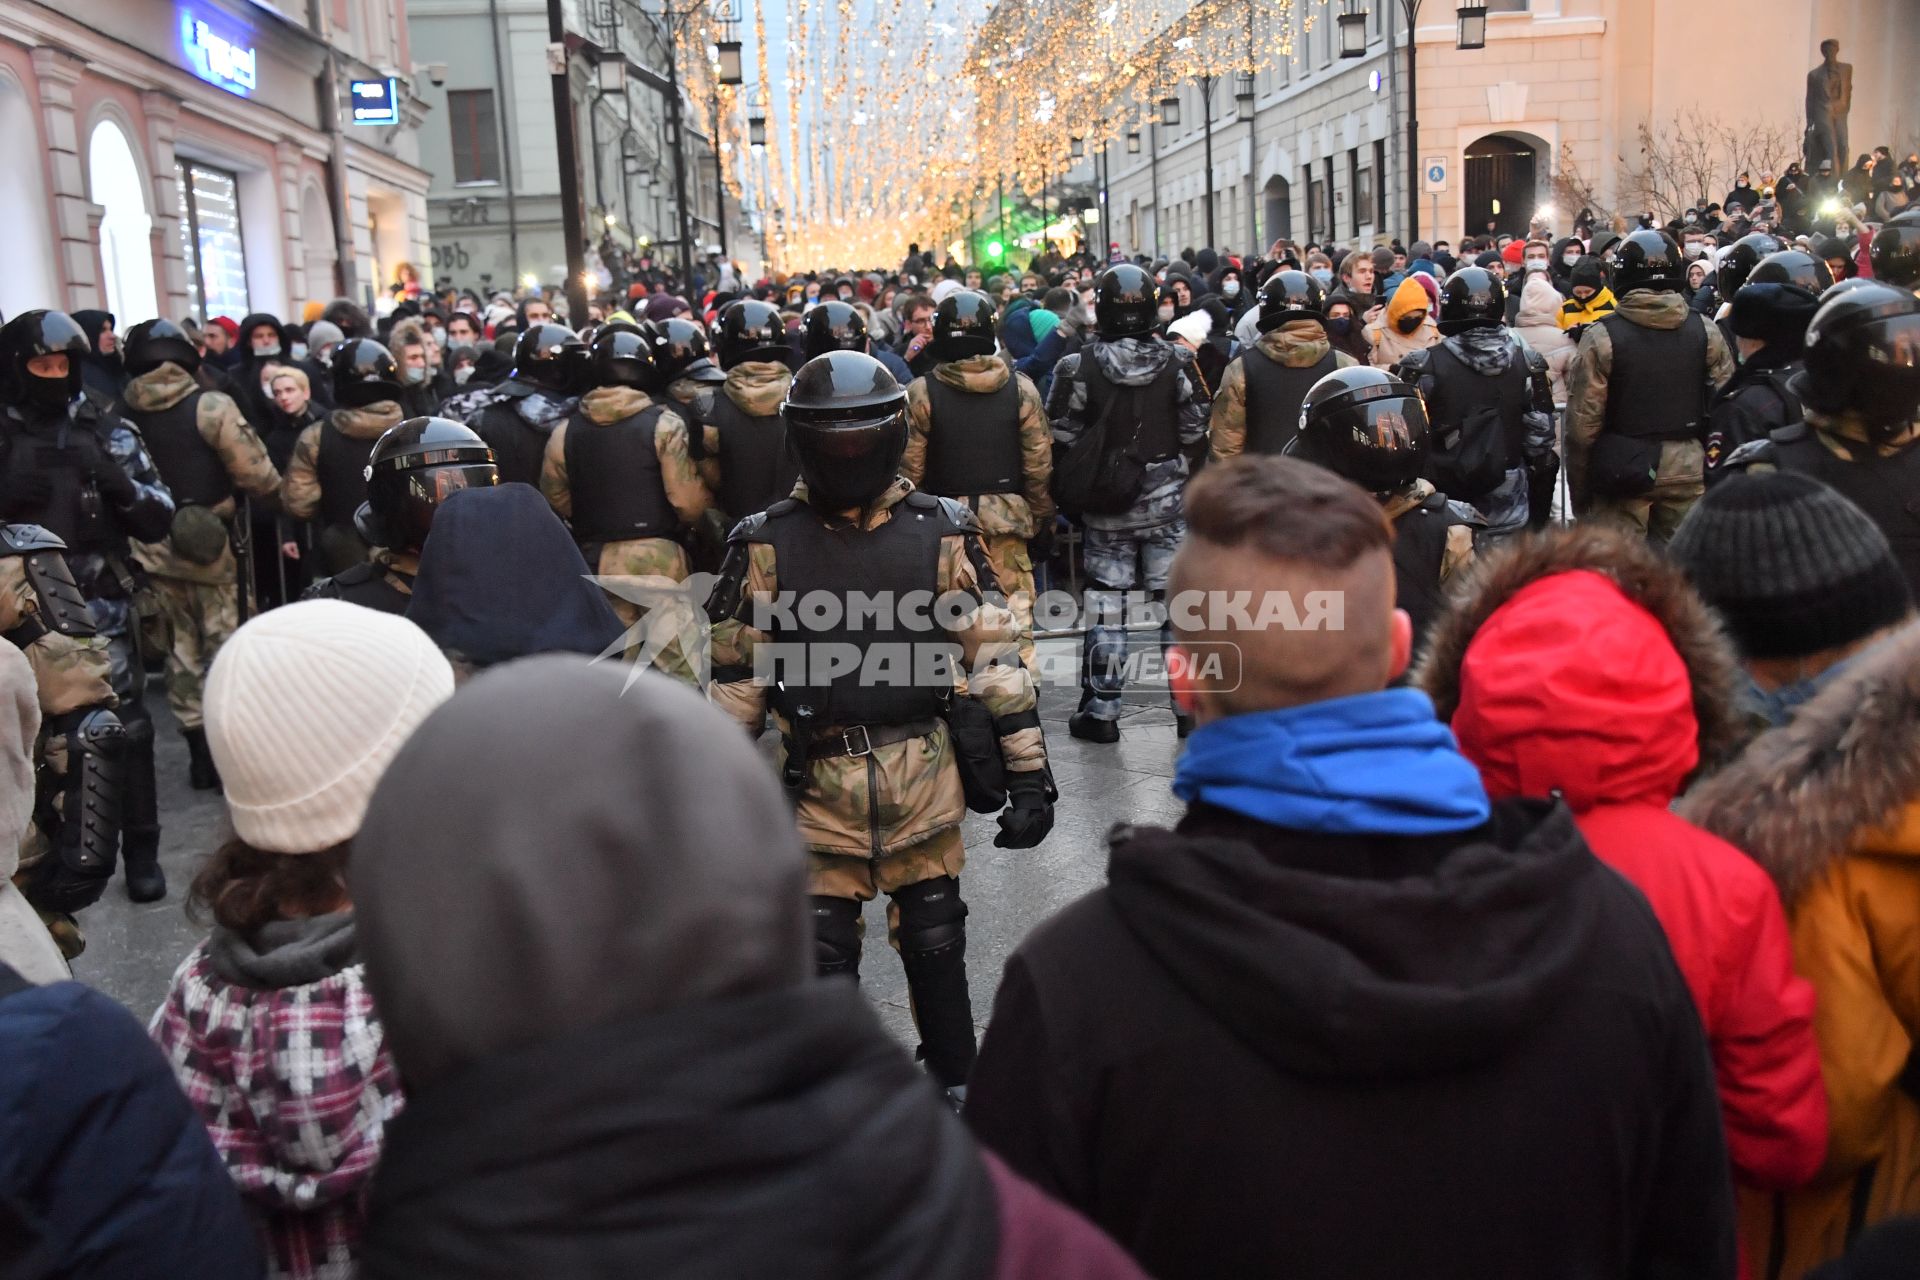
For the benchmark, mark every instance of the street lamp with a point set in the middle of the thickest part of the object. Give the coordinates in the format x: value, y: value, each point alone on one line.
x: 727, y: 47
x: 1473, y: 27
x: 757, y: 119
x: 1133, y: 142
x: 1243, y: 90
x: 610, y: 70
x: 1077, y: 147
x: 1353, y: 34
x: 1170, y: 108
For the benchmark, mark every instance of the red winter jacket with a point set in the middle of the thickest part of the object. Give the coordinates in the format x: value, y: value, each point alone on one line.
x: 1569, y: 687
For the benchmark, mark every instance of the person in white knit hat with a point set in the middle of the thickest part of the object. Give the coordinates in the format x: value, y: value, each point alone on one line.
x: 268, y: 1025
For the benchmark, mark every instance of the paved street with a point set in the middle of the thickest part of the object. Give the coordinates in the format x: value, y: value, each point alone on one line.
x: 132, y: 950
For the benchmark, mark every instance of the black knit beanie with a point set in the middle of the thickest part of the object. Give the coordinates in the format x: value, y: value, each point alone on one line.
x: 1792, y: 566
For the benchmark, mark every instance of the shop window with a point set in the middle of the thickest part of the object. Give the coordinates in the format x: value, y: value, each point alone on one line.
x: 126, y: 227
x: 210, y: 241
x: 476, y: 138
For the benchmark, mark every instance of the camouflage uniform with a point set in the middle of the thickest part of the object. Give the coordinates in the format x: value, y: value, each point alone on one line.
x: 1132, y: 551
x: 72, y: 673
x: 200, y: 600
x: 300, y: 495
x: 1007, y: 520
x: 1679, y: 479
x: 649, y: 566
x: 1297, y: 344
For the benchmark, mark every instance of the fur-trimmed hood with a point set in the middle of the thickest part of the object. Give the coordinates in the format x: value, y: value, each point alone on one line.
x: 1614, y: 703
x: 1834, y: 780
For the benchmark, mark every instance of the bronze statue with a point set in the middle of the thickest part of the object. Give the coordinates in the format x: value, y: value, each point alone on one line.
x: 1829, y: 99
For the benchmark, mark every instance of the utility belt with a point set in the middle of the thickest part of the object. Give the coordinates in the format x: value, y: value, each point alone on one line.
x: 860, y: 739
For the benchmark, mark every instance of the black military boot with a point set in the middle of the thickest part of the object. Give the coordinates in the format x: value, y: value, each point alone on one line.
x: 201, y: 775
x: 932, y: 939
x: 1090, y: 728
x: 140, y: 852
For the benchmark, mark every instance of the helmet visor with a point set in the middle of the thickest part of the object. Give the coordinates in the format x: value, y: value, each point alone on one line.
x: 428, y: 488
x: 1379, y: 444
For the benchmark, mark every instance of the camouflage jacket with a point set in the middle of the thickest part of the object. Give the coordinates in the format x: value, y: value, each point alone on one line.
x: 1592, y: 367
x: 1297, y: 344
x: 69, y: 672
x: 1133, y: 362
x: 300, y: 495
x: 1458, y: 554
x: 913, y: 787
x: 603, y: 406
x: 1019, y: 514
x: 227, y: 432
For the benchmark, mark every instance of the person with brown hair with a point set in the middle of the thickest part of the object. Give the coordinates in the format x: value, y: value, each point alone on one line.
x: 1347, y: 991
x: 269, y: 1025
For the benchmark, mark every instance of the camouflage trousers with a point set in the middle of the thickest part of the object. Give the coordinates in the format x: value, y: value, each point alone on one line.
x: 666, y: 620
x: 1678, y: 483
x: 1013, y: 566
x: 1121, y: 563
x: 201, y: 617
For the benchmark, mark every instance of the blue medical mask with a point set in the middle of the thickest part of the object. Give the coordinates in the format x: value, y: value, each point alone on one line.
x: 1324, y: 275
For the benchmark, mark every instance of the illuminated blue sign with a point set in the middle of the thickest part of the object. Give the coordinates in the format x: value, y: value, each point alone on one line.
x: 218, y: 58
x: 376, y: 101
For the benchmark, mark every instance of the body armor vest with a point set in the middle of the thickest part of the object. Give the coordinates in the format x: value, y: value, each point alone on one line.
x: 1657, y: 389
x: 73, y: 510
x: 342, y: 468
x: 1458, y: 391
x: 1274, y: 395
x: 1155, y: 407
x: 1419, y: 547
x: 973, y: 443
x: 518, y: 447
x: 899, y: 558
x: 1887, y: 489
x: 755, y: 468
x: 188, y: 465
x: 613, y: 471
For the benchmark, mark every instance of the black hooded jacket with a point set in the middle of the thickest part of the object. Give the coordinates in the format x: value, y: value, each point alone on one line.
x: 104, y: 374
x: 1260, y: 1050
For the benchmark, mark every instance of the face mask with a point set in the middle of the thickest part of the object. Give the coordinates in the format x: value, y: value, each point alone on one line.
x: 299, y: 351
x: 1166, y: 312
x: 1230, y: 289
x: 266, y: 388
x: 461, y: 375
x: 269, y: 349
x: 1323, y: 275
x: 1407, y: 324
x: 1695, y: 249
x: 1536, y: 264
x: 439, y: 338
x: 45, y: 393
x: 416, y: 374
x: 1570, y: 257
x: 1340, y: 326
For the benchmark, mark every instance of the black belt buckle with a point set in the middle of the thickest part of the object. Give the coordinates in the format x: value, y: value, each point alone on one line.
x: 866, y: 741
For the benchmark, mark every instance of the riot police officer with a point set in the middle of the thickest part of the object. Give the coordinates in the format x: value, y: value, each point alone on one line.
x: 413, y: 468
x: 1489, y: 402
x: 205, y: 451
x: 83, y: 474
x: 1258, y: 407
x: 549, y: 372
x: 752, y: 469
x: 1637, y: 394
x: 687, y: 370
x: 621, y: 473
x: 1369, y: 426
x: 1860, y: 398
x: 839, y: 326
x: 327, y: 474
x: 1895, y: 252
x: 1768, y: 321
x: 866, y: 752
x: 978, y: 432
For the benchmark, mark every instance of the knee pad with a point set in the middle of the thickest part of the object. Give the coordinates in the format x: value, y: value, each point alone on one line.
x: 932, y: 916
x: 836, y: 934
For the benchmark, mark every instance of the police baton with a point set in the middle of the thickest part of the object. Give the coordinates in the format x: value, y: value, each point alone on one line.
x: 242, y: 535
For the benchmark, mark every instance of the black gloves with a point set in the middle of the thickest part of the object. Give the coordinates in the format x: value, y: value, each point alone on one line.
x: 1040, y: 545
x: 1028, y: 816
x: 115, y: 485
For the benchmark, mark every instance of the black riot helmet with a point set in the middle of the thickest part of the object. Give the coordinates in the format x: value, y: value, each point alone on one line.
x: 621, y: 355
x: 1649, y: 260
x: 1366, y: 425
x: 33, y: 334
x: 1738, y: 262
x: 1896, y: 251
x: 1126, y: 302
x: 152, y: 343
x: 1863, y: 358
x: 963, y: 326
x: 753, y: 330
x: 1793, y: 266
x: 552, y: 357
x: 833, y: 326
x: 1290, y: 295
x: 681, y: 351
x: 414, y: 467
x: 364, y: 373
x: 846, y: 421
x: 1472, y: 298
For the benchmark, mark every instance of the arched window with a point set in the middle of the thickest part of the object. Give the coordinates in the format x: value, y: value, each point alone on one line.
x: 126, y: 245
x: 28, y: 280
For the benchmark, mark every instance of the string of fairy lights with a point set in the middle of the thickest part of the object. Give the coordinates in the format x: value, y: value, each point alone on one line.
x: 881, y: 120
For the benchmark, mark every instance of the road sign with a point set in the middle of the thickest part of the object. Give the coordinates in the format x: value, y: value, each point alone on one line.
x: 1433, y: 175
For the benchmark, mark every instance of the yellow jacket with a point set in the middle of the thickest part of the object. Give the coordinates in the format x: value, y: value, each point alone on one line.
x: 1574, y: 312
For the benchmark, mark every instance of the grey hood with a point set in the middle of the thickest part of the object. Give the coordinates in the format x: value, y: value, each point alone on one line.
x: 1134, y: 362
x: 1487, y: 351
x: 554, y: 850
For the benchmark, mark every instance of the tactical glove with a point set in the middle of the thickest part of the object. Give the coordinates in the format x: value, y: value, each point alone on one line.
x: 115, y: 485
x: 1028, y: 816
x: 1040, y: 545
